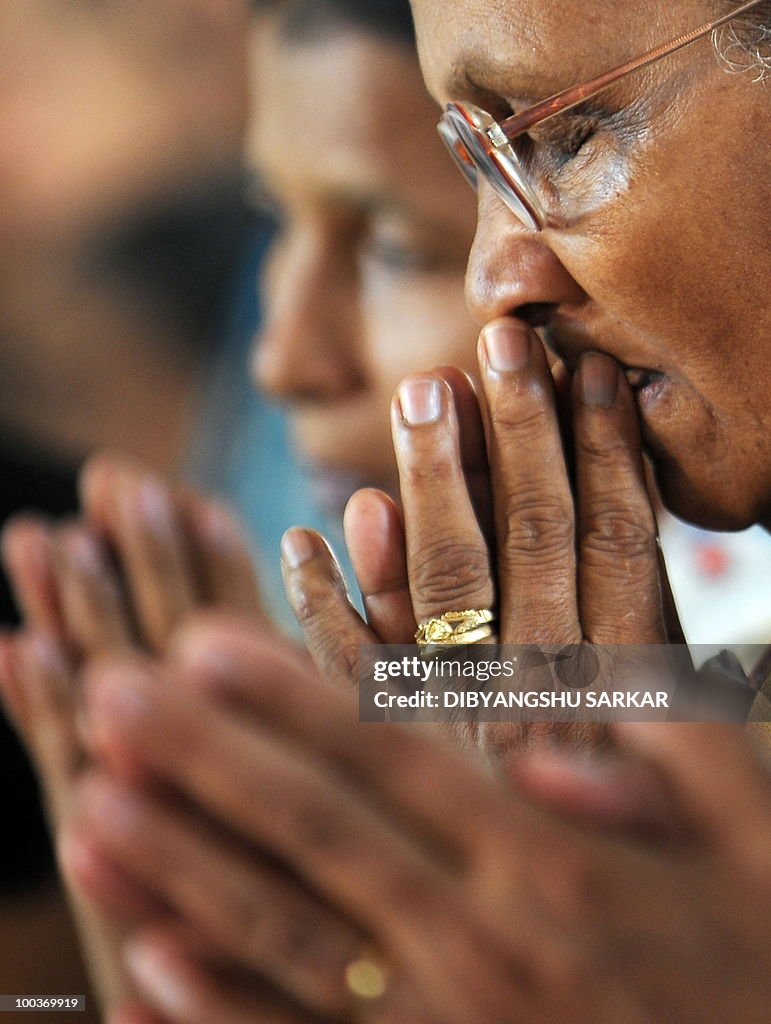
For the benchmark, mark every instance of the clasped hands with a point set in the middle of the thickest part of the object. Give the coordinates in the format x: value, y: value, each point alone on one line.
x: 251, y: 837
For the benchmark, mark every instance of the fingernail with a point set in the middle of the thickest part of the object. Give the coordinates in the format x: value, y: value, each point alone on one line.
x: 123, y: 694
x: 297, y: 548
x: 208, y: 663
x: 507, y: 347
x: 421, y: 401
x: 598, y: 379
x: 45, y: 653
x: 82, y: 549
x: 154, y: 505
x: 159, y: 979
x: 24, y: 549
x: 120, y: 812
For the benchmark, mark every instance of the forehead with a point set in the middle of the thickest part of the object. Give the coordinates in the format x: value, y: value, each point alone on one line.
x: 347, y: 114
x: 531, y: 48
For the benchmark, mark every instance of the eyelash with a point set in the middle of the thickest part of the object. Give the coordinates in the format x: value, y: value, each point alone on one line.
x: 567, y: 143
x: 401, y: 259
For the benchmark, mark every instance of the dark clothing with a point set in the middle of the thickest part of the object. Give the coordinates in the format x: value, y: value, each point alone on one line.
x: 27, y: 481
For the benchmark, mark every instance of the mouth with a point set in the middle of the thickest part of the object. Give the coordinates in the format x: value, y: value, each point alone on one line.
x: 330, y: 487
x: 646, y: 385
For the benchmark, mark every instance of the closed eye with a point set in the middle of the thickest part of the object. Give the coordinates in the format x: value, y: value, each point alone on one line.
x: 565, y: 136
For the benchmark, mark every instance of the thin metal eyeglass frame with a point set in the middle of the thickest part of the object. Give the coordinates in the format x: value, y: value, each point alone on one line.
x: 503, y: 133
x: 569, y: 98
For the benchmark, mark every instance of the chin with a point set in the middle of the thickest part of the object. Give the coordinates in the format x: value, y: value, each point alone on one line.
x: 708, y: 500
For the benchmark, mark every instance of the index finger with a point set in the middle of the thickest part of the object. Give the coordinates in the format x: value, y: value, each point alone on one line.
x: 28, y: 555
x: 275, y: 795
x: 410, y: 770
x: 534, y: 509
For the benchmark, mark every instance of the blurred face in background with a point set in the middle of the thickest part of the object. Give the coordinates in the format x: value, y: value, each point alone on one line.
x: 102, y: 106
x: 117, y: 120
x: 365, y: 282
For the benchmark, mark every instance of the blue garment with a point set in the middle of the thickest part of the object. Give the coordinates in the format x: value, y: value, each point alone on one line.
x: 242, y: 451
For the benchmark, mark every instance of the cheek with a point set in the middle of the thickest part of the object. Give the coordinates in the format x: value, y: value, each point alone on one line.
x: 674, y: 258
x: 418, y: 324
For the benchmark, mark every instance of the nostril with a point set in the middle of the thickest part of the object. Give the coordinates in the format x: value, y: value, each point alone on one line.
x: 536, y: 314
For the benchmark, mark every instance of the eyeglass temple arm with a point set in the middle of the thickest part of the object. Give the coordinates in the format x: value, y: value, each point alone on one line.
x: 569, y: 98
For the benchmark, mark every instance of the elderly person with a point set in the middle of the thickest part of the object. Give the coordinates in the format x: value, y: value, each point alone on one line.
x: 479, y: 906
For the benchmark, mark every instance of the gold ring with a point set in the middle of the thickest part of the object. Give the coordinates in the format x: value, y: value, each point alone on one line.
x: 366, y: 977
x: 468, y: 627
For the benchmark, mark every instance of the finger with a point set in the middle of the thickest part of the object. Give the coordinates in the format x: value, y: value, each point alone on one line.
x: 238, y: 904
x: 332, y: 628
x: 716, y: 779
x: 133, y: 1013
x: 427, y: 780
x: 48, y: 681
x: 105, y: 890
x: 92, y: 606
x: 604, y: 793
x: 618, y: 578
x: 400, y: 886
x: 173, y: 980
x: 96, y: 482
x: 533, y: 503
x: 374, y: 536
x: 447, y: 557
x: 11, y: 690
x: 563, y: 386
x: 26, y: 548
x: 277, y: 797
x: 672, y: 624
x: 224, y: 564
x: 150, y: 544
x: 473, y: 447
x: 54, y: 742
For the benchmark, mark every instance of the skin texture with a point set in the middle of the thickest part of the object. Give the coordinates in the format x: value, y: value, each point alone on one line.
x: 365, y: 281
x: 143, y: 557
x: 408, y: 845
x: 132, y: 717
x: 664, y: 263
x: 339, y: 338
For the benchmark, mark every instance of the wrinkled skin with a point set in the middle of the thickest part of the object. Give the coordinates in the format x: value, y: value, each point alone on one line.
x: 664, y: 264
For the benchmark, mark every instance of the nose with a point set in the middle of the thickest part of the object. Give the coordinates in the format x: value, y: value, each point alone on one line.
x: 512, y: 271
x: 309, y: 348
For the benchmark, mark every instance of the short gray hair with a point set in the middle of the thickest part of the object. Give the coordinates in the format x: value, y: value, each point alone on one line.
x: 744, y: 45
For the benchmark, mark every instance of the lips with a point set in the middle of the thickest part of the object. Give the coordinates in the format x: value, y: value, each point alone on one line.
x: 571, y: 341
x: 645, y: 384
x: 639, y: 378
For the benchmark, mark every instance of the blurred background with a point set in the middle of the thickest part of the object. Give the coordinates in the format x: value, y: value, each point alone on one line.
x: 127, y: 256
x: 132, y: 235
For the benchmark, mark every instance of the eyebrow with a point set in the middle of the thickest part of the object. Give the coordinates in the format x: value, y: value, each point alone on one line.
x: 474, y: 76
x: 365, y: 200
x: 369, y: 201
x: 374, y: 204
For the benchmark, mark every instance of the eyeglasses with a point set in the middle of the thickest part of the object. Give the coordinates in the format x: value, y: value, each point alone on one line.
x: 481, y: 145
